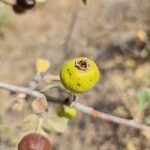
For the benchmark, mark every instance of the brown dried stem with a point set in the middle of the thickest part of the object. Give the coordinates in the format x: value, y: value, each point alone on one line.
x: 105, y: 116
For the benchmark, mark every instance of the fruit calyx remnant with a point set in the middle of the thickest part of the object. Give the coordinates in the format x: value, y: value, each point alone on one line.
x: 82, y: 64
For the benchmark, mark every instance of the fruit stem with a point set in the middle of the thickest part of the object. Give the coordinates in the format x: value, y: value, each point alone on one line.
x: 71, y: 98
x: 39, y: 124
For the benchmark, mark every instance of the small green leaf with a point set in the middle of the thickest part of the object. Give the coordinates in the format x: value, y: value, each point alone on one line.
x: 34, y: 123
x: 58, y: 124
x: 29, y: 123
x: 143, y: 99
x: 55, y: 123
x: 84, y: 1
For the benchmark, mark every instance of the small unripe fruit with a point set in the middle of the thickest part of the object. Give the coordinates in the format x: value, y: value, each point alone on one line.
x: 67, y: 112
x: 79, y: 75
x: 34, y: 141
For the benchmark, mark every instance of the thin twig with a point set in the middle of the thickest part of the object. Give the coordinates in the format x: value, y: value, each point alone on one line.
x: 78, y: 106
x: 35, y: 81
x: 48, y: 78
x: 20, y: 89
x: 71, y: 27
x: 48, y: 87
x: 105, y: 116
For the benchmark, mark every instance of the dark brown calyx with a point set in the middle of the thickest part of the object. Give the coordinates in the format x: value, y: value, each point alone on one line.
x: 82, y: 64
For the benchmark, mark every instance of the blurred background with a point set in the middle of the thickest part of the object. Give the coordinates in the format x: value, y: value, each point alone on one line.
x: 115, y: 33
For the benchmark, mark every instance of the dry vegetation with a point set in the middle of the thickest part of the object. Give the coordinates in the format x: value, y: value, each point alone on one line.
x: 116, y: 33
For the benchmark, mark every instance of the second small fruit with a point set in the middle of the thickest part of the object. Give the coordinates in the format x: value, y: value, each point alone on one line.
x: 66, y: 111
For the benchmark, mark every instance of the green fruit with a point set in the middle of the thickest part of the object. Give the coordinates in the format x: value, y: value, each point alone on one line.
x: 67, y: 112
x: 79, y: 75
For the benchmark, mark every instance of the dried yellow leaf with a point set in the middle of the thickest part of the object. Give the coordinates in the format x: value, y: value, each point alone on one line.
x: 142, y: 74
x: 146, y: 134
x: 130, y: 145
x: 42, y: 65
x: 142, y: 35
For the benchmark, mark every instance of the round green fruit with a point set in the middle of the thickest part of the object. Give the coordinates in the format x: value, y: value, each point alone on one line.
x: 79, y: 75
x: 67, y: 112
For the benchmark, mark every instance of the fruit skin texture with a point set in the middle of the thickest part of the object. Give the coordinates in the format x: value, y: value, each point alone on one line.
x: 34, y: 141
x: 67, y: 112
x: 79, y: 79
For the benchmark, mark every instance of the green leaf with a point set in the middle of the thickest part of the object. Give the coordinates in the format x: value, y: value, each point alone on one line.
x: 34, y: 123
x: 55, y: 123
x: 58, y: 124
x: 29, y: 123
x: 84, y: 1
x: 143, y: 99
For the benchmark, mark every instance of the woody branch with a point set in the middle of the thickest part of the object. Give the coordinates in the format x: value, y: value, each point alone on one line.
x: 78, y: 106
